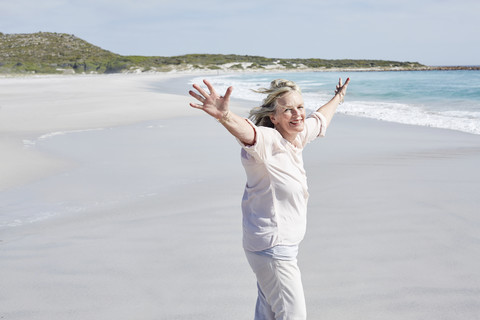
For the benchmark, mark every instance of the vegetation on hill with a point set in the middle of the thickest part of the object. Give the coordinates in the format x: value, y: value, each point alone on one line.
x: 46, y: 52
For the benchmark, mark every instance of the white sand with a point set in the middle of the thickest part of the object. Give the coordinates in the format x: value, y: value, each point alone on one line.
x: 148, y: 224
x: 32, y: 107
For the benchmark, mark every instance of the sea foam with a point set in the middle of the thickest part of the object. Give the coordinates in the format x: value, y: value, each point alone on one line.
x: 420, y: 98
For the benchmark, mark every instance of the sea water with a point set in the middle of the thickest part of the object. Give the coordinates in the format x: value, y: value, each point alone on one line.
x: 440, y: 99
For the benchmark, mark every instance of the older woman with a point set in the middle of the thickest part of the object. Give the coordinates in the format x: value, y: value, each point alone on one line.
x: 274, y: 203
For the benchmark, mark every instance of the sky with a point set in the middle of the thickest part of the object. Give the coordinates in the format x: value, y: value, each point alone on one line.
x: 432, y: 32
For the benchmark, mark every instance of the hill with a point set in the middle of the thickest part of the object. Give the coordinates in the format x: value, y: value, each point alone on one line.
x: 46, y: 52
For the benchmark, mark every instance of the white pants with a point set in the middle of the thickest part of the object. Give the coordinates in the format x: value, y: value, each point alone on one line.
x: 280, y: 290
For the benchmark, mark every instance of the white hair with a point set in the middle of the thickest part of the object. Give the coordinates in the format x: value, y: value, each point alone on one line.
x: 261, y: 115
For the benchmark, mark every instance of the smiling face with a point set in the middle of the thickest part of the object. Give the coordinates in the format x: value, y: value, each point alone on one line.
x: 289, y: 115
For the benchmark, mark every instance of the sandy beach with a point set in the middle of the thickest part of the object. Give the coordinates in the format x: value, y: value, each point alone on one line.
x: 119, y: 201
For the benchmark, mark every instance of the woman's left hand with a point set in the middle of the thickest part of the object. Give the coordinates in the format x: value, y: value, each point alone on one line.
x: 341, y: 90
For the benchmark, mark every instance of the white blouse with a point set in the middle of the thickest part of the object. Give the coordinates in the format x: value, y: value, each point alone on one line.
x: 274, y: 203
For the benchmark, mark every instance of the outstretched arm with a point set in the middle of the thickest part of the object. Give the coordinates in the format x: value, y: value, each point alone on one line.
x: 328, y: 110
x: 218, y: 107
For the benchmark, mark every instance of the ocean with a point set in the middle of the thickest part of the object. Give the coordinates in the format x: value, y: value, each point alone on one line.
x: 439, y: 99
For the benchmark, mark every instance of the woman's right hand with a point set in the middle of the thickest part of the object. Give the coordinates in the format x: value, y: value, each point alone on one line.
x: 212, y: 103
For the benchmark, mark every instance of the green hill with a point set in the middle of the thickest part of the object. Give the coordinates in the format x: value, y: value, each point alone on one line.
x: 46, y: 52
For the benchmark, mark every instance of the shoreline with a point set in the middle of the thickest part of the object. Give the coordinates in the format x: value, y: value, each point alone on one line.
x: 224, y: 70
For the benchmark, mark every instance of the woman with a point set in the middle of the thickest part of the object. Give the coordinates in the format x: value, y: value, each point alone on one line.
x: 274, y: 203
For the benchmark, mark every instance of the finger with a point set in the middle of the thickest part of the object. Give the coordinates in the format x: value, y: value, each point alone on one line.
x: 199, y: 89
x: 196, y: 96
x: 196, y: 106
x: 209, y: 86
x: 345, y: 85
x: 228, y: 93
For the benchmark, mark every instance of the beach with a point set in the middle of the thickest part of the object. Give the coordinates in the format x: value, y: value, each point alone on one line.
x: 119, y: 201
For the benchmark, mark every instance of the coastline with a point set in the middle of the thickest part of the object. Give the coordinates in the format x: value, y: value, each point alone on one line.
x: 225, y: 69
x: 393, y: 211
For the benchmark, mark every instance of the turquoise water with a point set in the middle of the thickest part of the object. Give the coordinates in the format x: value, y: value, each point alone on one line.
x: 441, y: 99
